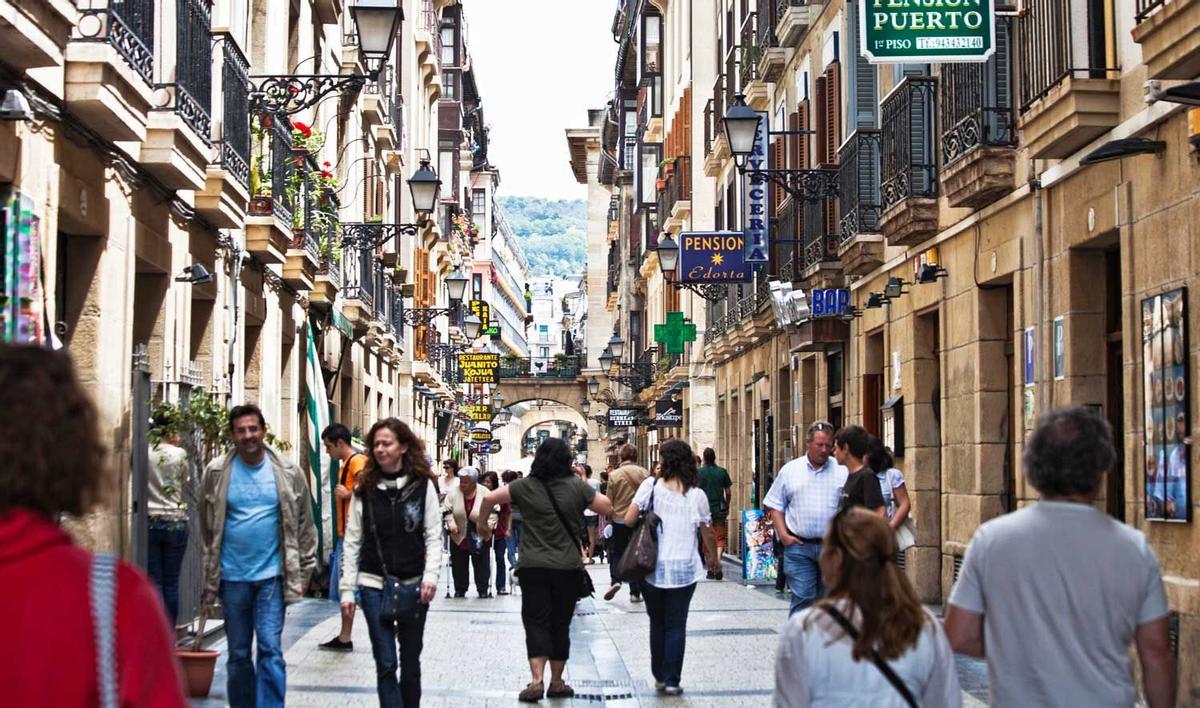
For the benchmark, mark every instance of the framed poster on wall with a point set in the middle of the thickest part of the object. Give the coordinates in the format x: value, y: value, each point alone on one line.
x: 1167, y: 419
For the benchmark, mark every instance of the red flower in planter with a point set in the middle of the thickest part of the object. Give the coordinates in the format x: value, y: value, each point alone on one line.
x: 294, y: 89
x: 326, y: 164
x: 302, y: 129
x: 326, y: 173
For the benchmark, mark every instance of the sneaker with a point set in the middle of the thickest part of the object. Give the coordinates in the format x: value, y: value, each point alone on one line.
x: 503, y: 592
x: 337, y: 644
x: 561, y: 691
x: 673, y: 690
x: 635, y: 598
x: 612, y: 592
x: 659, y: 686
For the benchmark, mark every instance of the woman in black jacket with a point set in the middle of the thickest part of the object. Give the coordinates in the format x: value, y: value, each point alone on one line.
x: 394, y: 527
x: 550, y: 560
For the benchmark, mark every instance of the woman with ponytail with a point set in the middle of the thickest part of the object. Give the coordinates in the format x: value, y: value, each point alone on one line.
x: 869, y: 642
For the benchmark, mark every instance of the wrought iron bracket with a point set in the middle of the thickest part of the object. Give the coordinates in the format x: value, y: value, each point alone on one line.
x: 424, y: 315
x: 287, y: 94
x: 367, y: 236
x: 713, y: 292
x: 814, y: 185
x: 637, y: 375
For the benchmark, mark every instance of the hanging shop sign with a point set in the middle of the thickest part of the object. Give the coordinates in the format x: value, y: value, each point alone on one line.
x: 712, y: 257
x: 492, y: 447
x: 832, y: 302
x: 916, y: 31
x: 479, y: 367
x: 481, y: 309
x: 668, y: 413
x: 492, y: 329
x: 622, y: 417
x: 478, y: 413
x: 756, y: 195
x: 481, y: 435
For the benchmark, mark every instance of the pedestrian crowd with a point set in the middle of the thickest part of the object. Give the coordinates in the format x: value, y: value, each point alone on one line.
x: 1053, y: 596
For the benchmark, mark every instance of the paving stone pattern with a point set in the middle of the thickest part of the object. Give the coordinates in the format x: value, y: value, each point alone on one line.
x: 474, y: 653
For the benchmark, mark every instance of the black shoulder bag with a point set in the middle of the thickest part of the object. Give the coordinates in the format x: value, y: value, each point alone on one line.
x: 586, y: 589
x: 399, y: 599
x: 882, y: 665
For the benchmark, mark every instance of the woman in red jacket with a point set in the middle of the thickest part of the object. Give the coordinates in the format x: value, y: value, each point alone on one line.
x: 54, y: 465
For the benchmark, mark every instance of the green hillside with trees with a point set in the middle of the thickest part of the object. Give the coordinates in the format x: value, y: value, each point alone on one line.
x: 552, y: 233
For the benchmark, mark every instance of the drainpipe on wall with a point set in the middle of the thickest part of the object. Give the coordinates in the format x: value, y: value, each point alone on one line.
x: 236, y: 255
x: 1039, y: 301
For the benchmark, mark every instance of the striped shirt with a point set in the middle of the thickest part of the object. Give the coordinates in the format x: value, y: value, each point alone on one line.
x: 807, y: 496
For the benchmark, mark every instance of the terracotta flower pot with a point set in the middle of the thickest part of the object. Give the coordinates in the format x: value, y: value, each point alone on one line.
x: 261, y: 206
x: 198, y: 668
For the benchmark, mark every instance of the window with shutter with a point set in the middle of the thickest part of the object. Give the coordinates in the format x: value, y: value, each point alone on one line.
x: 820, y: 115
x: 833, y: 111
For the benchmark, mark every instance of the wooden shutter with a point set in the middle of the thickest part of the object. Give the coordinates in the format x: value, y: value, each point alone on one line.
x: 820, y: 116
x: 833, y: 111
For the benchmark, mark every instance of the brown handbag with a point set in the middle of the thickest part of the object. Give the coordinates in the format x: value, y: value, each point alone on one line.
x: 641, y: 556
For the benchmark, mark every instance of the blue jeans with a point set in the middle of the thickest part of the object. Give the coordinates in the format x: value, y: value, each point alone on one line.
x: 405, y: 693
x: 501, y: 547
x: 168, y: 542
x: 514, y: 538
x: 800, y: 563
x: 335, y: 571
x: 254, y: 611
x: 668, y: 612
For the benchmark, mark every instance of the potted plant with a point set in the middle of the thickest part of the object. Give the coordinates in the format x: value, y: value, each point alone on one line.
x: 305, y: 141
x: 260, y: 176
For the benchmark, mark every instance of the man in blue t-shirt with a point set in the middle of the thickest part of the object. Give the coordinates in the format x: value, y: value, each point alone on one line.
x: 260, y: 547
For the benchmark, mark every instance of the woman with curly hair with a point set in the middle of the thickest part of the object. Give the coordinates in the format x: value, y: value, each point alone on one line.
x: 869, y: 642
x: 393, y: 529
x: 682, y: 509
x: 56, y: 592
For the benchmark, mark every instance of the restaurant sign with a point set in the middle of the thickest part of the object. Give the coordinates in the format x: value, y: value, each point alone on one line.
x: 479, y: 367
x: 481, y: 435
x: 623, y: 417
x: 478, y: 413
x: 712, y: 257
x: 916, y: 31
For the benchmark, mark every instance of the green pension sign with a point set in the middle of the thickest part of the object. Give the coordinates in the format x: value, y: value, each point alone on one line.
x: 918, y: 31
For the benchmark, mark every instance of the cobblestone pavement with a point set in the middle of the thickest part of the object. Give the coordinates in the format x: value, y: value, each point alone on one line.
x: 474, y: 653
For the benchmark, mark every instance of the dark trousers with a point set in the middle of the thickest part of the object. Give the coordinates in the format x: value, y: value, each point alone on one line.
x: 668, y: 612
x: 167, y: 542
x: 459, y: 562
x: 547, y: 606
x: 620, y: 541
x: 410, y: 633
x: 500, y: 548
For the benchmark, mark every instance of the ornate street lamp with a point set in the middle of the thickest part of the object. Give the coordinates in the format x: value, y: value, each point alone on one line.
x: 472, y: 325
x: 502, y: 417
x: 367, y: 236
x: 606, y: 359
x: 741, y: 130
x: 593, y: 386
x: 616, y: 345
x: 376, y: 24
x: 456, y: 285
x: 498, y: 400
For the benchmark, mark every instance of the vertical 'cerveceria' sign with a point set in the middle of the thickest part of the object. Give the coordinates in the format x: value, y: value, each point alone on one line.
x: 479, y: 367
x: 898, y: 31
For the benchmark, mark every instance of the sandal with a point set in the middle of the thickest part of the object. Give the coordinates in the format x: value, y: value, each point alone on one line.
x: 563, y: 691
x: 532, y: 693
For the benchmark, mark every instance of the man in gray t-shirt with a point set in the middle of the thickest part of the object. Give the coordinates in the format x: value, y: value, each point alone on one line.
x: 1054, y: 594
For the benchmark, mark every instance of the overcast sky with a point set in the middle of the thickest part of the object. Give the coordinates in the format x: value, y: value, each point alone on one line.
x: 540, y: 64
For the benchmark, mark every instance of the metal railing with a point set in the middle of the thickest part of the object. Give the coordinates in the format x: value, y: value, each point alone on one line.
x: 629, y: 152
x: 329, y: 264
x: 1145, y: 7
x: 976, y: 101
x: 128, y: 25
x: 561, y: 366
x: 710, y: 127
x: 909, y: 162
x: 768, y: 15
x: 859, y: 184
x: 749, y: 51
x: 721, y: 99
x: 1047, y: 50
x: 359, y: 270
x: 235, y: 111
x: 820, y: 237
x: 193, y: 66
x: 677, y: 187
x: 787, y: 225
x: 282, y: 166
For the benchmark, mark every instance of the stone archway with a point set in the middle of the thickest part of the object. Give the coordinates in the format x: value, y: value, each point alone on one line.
x: 511, y: 434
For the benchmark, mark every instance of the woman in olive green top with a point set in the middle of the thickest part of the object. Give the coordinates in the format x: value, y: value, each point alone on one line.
x: 549, y: 559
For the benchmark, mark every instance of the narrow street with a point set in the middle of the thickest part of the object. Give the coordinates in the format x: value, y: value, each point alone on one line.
x: 474, y: 653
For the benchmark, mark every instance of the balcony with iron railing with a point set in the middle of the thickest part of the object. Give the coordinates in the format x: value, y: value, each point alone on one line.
x: 272, y: 164
x: 561, y: 366
x: 359, y: 287
x: 772, y: 58
x: 1067, y: 97
x: 675, y: 196
x: 715, y: 143
x: 225, y: 195
x: 978, y: 131
x: 908, y: 163
x: 1167, y: 29
x: 793, y: 18
x: 820, y: 242
x: 109, y: 64
x: 747, y: 54
x: 860, y: 201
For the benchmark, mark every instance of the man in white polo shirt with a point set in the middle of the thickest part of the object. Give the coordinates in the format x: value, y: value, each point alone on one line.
x: 1054, y: 594
x: 802, y: 500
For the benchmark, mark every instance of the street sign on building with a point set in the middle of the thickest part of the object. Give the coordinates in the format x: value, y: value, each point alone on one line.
x: 712, y: 257
x: 918, y: 31
x: 831, y: 302
x: 479, y: 367
x: 622, y: 417
x: 481, y: 434
x: 481, y: 309
x: 492, y: 329
x: 668, y: 413
x: 756, y: 198
x: 478, y: 413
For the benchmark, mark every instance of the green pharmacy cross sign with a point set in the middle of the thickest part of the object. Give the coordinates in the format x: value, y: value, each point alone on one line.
x: 675, y: 332
x: 918, y: 31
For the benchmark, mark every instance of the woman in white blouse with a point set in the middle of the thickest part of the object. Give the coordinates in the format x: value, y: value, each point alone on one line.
x: 822, y: 662
x: 682, y: 508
